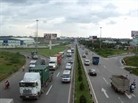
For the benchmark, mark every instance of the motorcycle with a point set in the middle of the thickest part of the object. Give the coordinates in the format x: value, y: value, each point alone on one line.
x: 7, y: 85
x: 132, y: 87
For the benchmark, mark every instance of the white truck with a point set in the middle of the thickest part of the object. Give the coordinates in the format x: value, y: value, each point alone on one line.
x: 6, y: 100
x: 30, y: 86
x: 53, y: 63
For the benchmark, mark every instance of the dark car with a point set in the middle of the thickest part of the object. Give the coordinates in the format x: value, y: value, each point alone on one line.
x: 84, y: 56
x: 92, y: 72
x: 43, y: 62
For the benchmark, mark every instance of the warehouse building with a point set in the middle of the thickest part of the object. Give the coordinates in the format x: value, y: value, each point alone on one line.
x: 10, y: 41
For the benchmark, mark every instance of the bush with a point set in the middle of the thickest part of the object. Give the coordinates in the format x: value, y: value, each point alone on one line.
x: 79, y: 71
x: 82, y: 86
x: 80, y: 78
x: 83, y: 99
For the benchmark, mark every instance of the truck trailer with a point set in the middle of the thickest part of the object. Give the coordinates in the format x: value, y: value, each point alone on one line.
x: 120, y: 83
x: 95, y: 60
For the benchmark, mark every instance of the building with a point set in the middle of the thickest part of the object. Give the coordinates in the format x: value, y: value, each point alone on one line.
x: 10, y: 41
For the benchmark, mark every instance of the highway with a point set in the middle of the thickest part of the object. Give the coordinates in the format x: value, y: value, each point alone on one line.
x: 55, y: 92
x: 101, y: 83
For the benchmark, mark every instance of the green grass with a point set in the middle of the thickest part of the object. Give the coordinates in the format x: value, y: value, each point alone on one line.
x: 85, y: 92
x: 132, y: 61
x: 9, y: 63
x: 41, y: 51
x: 53, y: 51
x: 108, y: 52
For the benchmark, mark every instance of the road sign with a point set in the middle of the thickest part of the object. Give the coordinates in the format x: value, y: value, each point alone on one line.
x: 134, y: 33
x: 50, y: 36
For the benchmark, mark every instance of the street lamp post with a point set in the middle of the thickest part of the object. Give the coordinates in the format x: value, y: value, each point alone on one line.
x: 37, y: 35
x: 100, y: 36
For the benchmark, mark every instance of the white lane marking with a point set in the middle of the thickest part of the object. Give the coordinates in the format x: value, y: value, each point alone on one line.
x: 133, y: 95
x: 105, y: 81
x: 120, y: 100
x: 129, y: 96
x: 70, y: 87
x: 104, y: 91
x: 49, y: 89
x: 104, y: 66
x: 69, y: 93
x: 58, y: 74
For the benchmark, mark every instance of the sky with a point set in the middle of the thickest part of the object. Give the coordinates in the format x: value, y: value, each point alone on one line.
x: 72, y: 18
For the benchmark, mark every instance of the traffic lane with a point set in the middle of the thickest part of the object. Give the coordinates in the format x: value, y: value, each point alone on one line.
x: 109, y: 70
x: 116, y: 70
x: 58, y: 90
x: 13, y: 91
x: 100, y: 87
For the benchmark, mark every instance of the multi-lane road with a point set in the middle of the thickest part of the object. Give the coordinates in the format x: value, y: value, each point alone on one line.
x: 103, y: 93
x: 57, y: 92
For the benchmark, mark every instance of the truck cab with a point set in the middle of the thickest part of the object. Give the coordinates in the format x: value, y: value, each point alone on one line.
x: 30, y: 86
x: 53, y: 63
x: 69, y: 53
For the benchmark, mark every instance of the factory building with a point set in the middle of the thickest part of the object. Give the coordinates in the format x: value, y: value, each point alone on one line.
x: 9, y: 41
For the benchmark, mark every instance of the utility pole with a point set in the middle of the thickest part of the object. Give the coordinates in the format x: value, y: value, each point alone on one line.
x: 37, y: 36
x: 100, y: 36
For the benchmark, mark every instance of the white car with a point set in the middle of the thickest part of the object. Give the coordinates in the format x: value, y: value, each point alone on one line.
x: 87, y: 62
x: 68, y: 66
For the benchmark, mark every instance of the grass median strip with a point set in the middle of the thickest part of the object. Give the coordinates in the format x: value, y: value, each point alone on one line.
x: 82, y: 92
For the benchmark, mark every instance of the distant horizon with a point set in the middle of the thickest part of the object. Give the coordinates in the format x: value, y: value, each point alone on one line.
x: 72, y: 18
x: 61, y: 36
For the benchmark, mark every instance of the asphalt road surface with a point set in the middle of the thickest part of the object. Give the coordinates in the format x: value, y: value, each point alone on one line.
x: 101, y: 83
x: 55, y: 92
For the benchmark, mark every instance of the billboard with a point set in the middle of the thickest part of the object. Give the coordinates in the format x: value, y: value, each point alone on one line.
x: 134, y: 33
x: 50, y: 36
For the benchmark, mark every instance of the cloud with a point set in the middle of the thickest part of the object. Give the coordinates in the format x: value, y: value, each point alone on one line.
x: 62, y: 16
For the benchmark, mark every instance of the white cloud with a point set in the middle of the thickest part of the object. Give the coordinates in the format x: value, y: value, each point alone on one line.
x: 69, y: 17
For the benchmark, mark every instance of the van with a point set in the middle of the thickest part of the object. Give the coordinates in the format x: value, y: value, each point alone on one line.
x: 66, y: 77
x: 69, y: 53
x: 32, y: 63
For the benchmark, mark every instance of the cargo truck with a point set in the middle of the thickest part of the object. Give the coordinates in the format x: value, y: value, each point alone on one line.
x: 34, y: 81
x: 120, y: 83
x: 55, y: 61
x: 95, y: 60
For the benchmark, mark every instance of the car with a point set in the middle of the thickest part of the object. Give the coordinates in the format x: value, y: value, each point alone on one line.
x: 92, y: 72
x: 87, y: 62
x: 84, y: 56
x: 70, y: 60
x: 68, y: 66
x: 43, y: 62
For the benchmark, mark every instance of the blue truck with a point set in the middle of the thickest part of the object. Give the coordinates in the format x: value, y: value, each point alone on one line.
x: 95, y: 60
